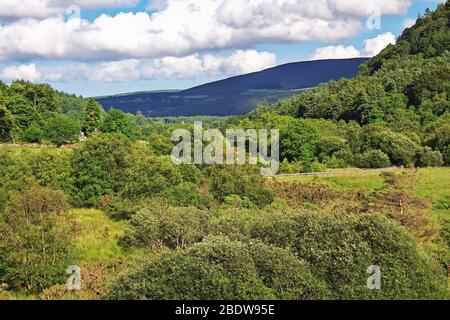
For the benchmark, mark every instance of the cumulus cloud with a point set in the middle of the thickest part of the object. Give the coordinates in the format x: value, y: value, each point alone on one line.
x: 408, y: 23
x: 183, y: 27
x: 187, y: 67
x: 372, y: 47
x: 27, y: 72
x: 336, y: 52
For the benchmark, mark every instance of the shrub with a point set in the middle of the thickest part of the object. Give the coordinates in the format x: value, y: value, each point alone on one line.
x: 33, y: 133
x: 16, y: 175
x: 374, y: 159
x: 243, y: 181
x: 52, y: 168
x: 158, y: 225
x: 340, y: 248
x: 186, y: 194
x: 426, y: 157
x: 36, y: 235
x: 218, y: 269
x: 95, y: 277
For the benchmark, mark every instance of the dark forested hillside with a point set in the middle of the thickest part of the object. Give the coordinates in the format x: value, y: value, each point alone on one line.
x: 237, y: 95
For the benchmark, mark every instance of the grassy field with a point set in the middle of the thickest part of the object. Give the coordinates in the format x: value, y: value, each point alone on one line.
x: 433, y: 183
x: 98, y: 236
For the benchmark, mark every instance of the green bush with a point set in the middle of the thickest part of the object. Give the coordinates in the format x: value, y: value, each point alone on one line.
x: 340, y: 248
x: 426, y: 157
x: 36, y: 235
x: 52, y: 168
x: 373, y: 160
x: 158, y: 225
x: 244, y: 181
x: 33, y: 133
x: 219, y: 269
x: 184, y: 195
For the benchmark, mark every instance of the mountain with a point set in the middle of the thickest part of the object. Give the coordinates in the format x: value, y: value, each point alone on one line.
x: 236, y: 95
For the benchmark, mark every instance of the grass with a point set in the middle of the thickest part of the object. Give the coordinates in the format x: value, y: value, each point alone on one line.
x: 98, y: 239
x: 433, y: 183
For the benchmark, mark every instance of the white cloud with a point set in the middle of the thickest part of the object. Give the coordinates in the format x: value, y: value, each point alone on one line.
x: 239, y: 62
x: 183, y: 27
x: 27, y: 72
x: 408, y: 23
x: 372, y: 47
x: 336, y: 52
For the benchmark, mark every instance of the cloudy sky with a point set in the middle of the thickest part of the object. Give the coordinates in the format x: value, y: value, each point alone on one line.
x: 100, y: 47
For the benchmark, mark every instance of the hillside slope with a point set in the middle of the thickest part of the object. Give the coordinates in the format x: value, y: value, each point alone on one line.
x: 236, y: 95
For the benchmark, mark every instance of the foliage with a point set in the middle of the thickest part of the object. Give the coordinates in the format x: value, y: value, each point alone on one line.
x: 98, y: 168
x: 374, y: 159
x: 93, y: 118
x: 242, y: 181
x: 61, y: 129
x: 340, y: 248
x: 158, y: 225
x: 6, y: 123
x: 33, y: 133
x: 146, y: 174
x: 219, y: 269
x: 117, y: 121
x: 36, y: 235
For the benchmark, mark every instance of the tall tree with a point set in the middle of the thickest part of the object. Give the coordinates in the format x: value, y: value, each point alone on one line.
x: 93, y: 117
x: 116, y: 121
x: 6, y: 123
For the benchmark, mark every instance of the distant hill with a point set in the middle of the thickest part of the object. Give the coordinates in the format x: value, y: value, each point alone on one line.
x: 236, y: 95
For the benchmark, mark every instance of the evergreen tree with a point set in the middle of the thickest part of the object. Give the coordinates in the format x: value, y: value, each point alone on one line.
x: 93, y: 117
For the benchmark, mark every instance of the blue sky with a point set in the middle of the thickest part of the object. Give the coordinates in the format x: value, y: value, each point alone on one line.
x: 103, y: 47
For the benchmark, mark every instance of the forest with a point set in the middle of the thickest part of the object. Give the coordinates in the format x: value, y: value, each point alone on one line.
x: 83, y: 187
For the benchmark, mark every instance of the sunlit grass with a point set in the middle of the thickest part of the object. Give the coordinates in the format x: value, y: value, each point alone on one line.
x: 98, y: 238
x: 433, y: 183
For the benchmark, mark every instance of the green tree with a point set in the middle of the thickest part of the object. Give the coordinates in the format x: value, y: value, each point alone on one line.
x: 374, y: 159
x: 6, y: 123
x: 117, y: 121
x: 93, y: 117
x: 36, y: 234
x: 33, y: 133
x: 98, y: 167
x: 243, y: 181
x: 159, y: 225
x: 61, y: 129
x: 146, y: 174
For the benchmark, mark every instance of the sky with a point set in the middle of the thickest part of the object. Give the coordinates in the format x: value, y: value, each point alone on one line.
x: 105, y: 47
